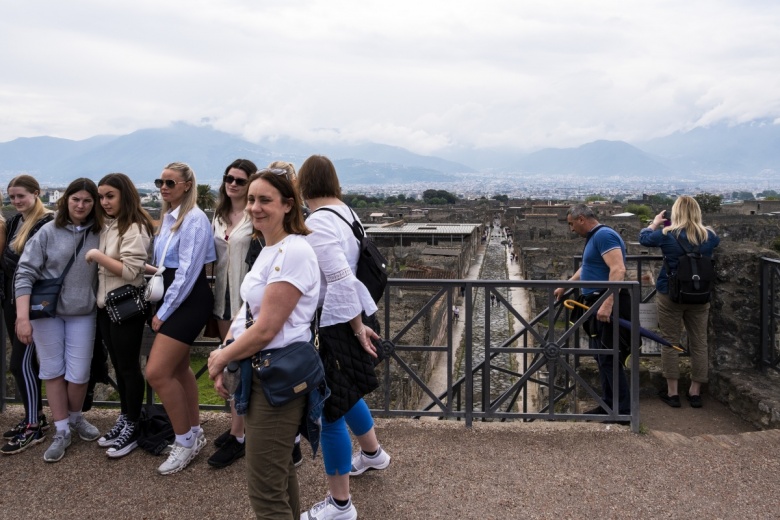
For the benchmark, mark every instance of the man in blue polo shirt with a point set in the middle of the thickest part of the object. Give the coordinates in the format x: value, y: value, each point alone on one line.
x: 604, y: 258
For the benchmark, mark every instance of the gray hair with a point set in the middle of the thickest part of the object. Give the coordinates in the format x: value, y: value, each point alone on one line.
x: 581, y: 210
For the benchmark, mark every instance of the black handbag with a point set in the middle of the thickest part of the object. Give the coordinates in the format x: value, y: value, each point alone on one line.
x: 289, y: 372
x: 125, y: 303
x: 46, y: 293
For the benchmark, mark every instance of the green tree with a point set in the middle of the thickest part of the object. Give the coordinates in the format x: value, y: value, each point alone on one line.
x: 660, y: 200
x: 401, y: 197
x: 206, y: 199
x: 742, y: 195
x: 640, y: 210
x: 708, y: 202
x: 447, y: 197
x: 501, y: 198
x: 597, y: 196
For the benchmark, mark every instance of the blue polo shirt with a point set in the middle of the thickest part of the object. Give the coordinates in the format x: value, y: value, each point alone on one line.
x: 602, y: 240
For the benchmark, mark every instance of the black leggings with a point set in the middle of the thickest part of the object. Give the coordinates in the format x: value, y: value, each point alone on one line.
x: 124, y: 348
x: 24, y: 367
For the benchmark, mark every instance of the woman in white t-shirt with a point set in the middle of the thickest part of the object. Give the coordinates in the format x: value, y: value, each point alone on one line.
x: 280, y: 295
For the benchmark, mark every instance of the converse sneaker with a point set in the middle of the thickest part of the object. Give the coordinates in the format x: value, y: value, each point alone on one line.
x: 179, y: 458
x: 228, y: 453
x: 86, y: 431
x: 113, y: 434
x: 56, y: 449
x: 362, y: 462
x: 328, y: 510
x: 30, y: 437
x: 126, y: 442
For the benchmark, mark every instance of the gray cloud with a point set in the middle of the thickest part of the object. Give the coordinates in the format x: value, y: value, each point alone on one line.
x: 423, y: 75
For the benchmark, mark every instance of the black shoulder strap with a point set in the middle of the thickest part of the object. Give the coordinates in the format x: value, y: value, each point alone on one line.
x: 352, y: 226
x: 12, y: 225
x: 73, y: 258
x: 692, y: 250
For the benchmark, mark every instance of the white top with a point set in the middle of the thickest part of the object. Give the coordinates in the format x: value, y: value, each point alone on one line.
x: 231, y: 266
x: 292, y: 260
x: 342, y: 295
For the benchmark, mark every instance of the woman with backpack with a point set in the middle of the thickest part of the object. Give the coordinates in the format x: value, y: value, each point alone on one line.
x: 24, y: 193
x: 343, y: 302
x: 685, y: 234
x: 63, y: 342
x: 121, y: 258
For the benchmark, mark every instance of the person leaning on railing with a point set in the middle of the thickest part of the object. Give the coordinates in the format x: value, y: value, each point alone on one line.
x: 121, y: 258
x: 686, y: 225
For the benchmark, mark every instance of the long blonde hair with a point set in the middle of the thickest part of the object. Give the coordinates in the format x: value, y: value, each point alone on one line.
x: 686, y: 215
x: 190, y: 198
x: 33, y: 215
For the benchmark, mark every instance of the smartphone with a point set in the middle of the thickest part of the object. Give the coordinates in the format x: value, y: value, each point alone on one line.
x: 667, y: 218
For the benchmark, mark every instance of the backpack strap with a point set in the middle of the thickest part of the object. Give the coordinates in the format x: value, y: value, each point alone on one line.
x: 355, y: 226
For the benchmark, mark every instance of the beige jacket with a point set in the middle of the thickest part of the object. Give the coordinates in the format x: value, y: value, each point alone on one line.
x: 231, y: 265
x: 132, y: 249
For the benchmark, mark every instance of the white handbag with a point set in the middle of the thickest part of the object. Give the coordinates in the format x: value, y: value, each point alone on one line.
x: 155, y: 289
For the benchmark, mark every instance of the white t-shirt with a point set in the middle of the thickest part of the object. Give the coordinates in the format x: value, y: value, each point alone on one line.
x: 293, y: 261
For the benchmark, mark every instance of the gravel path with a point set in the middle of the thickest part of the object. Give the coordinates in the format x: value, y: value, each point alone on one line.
x: 440, y: 469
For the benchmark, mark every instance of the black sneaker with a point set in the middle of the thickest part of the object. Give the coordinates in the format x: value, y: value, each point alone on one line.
x: 671, y: 400
x: 222, y: 439
x: 30, y: 437
x: 126, y: 442
x: 694, y: 400
x: 228, y: 453
x: 18, y: 429
x: 297, y: 455
x: 114, y: 433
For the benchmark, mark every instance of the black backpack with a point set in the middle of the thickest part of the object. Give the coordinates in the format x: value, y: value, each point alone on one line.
x: 371, y: 266
x: 155, y: 429
x: 692, y: 282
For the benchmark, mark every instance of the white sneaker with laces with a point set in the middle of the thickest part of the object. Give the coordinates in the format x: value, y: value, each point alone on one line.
x: 200, y: 441
x: 328, y: 510
x: 178, y: 459
x: 362, y: 462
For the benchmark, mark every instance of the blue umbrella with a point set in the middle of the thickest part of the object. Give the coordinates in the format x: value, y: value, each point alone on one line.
x: 649, y: 334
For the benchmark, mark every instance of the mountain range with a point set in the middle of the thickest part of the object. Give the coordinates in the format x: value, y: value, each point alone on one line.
x: 749, y: 150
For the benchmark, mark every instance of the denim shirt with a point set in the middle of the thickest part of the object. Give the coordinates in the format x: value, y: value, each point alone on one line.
x: 311, y: 423
x: 672, y: 250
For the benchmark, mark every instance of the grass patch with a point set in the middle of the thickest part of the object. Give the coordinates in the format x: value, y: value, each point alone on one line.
x: 206, y: 392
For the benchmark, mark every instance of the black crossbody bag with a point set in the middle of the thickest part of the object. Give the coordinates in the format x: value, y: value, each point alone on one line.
x: 46, y: 293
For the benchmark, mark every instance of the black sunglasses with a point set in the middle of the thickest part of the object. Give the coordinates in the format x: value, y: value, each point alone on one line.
x: 229, y: 179
x: 169, y: 183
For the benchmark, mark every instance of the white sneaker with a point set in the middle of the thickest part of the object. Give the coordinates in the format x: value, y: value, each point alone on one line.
x: 328, y: 510
x: 200, y: 441
x: 362, y: 462
x: 179, y: 458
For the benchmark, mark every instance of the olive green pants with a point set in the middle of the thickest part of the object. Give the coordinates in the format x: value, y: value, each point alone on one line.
x: 673, y: 318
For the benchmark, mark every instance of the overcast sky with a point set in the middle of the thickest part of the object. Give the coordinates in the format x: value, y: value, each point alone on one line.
x: 422, y: 74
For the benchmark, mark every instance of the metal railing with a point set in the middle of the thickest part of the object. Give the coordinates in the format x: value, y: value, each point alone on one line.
x: 546, y: 342
x: 770, y: 311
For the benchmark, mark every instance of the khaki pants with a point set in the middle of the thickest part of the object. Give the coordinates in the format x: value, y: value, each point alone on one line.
x: 672, y: 318
x: 270, y: 438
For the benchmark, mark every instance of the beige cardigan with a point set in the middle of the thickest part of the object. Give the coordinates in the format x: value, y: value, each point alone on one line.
x: 132, y: 249
x: 231, y: 265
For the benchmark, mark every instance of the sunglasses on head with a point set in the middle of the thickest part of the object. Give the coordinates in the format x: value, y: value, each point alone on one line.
x: 229, y: 179
x: 169, y: 183
x: 275, y: 171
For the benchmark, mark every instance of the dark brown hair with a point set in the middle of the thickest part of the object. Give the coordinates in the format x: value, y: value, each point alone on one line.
x: 63, y: 216
x: 224, y: 204
x: 130, y: 210
x: 317, y: 178
x: 293, y: 220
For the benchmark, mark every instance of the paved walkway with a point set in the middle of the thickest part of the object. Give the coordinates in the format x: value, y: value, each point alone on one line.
x: 439, y: 469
